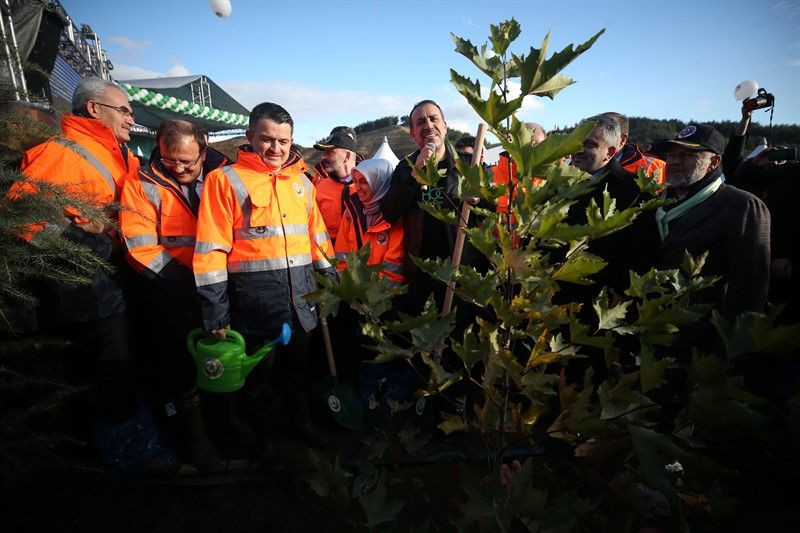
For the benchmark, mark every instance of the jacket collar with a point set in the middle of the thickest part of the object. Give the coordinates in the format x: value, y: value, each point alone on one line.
x: 75, y: 127
x: 249, y: 159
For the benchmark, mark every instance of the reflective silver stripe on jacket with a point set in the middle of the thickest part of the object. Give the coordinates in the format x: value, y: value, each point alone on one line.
x: 140, y: 240
x: 322, y: 264
x: 54, y: 228
x: 264, y: 265
x: 151, y: 190
x: 206, y: 247
x: 176, y: 240
x: 160, y: 261
x: 209, y: 278
x: 260, y: 232
x: 308, y: 187
x: 321, y: 238
x: 393, y: 267
x: 92, y: 160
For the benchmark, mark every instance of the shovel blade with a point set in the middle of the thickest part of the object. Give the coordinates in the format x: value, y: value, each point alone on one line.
x: 344, y: 405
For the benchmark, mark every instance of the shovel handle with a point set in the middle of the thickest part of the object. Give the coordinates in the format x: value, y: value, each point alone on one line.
x: 326, y: 335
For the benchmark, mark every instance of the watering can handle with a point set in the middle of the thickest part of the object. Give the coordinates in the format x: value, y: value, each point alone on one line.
x: 191, y: 340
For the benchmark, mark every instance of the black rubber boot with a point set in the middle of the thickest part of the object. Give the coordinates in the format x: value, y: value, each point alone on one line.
x: 302, y: 427
x: 195, y: 442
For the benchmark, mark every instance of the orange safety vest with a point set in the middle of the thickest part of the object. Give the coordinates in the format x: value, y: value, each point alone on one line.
x: 264, y: 229
x: 651, y: 164
x: 86, y: 159
x: 331, y: 196
x: 385, y: 244
x: 500, y: 176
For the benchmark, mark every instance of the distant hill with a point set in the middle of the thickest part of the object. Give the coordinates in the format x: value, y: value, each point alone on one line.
x: 645, y: 131
x: 368, y: 142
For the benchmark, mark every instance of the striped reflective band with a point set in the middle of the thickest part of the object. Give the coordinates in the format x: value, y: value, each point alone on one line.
x: 53, y: 228
x: 322, y: 264
x: 209, y: 278
x: 393, y: 267
x: 140, y: 240
x: 263, y: 232
x: 321, y: 238
x: 176, y: 240
x: 151, y: 190
x: 92, y: 160
x: 239, y: 188
x: 206, y: 247
x: 264, y: 265
x: 160, y: 261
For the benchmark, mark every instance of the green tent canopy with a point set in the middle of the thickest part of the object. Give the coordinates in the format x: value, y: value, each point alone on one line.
x: 194, y: 98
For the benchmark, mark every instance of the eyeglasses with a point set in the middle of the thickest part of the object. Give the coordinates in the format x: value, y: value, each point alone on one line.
x: 176, y: 164
x: 122, y: 110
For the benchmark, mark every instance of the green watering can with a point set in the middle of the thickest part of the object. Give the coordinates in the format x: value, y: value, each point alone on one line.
x: 222, y: 364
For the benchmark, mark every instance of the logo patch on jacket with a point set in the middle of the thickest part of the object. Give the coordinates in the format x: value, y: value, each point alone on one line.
x: 382, y: 238
x: 299, y: 190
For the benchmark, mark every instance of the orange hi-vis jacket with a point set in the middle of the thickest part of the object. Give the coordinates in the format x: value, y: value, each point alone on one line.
x: 633, y: 159
x: 259, y: 237
x: 385, y: 245
x: 158, y: 224
x: 333, y: 197
x: 86, y: 159
x: 501, y: 177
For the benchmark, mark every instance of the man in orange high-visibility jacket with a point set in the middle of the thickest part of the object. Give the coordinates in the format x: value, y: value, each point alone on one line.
x: 631, y: 158
x: 259, y: 237
x: 505, y: 168
x: 91, y: 160
x: 335, y: 192
x: 158, y: 224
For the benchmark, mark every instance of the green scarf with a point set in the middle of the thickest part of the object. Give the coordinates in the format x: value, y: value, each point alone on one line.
x: 663, y: 218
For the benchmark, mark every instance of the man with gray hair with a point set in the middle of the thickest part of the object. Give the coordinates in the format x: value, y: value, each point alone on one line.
x: 90, y: 161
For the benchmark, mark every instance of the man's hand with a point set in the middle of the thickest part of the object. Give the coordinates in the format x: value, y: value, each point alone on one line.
x: 90, y: 225
x: 424, y: 154
x: 220, y: 333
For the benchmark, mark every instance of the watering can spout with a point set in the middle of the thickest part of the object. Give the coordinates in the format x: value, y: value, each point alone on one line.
x: 248, y: 363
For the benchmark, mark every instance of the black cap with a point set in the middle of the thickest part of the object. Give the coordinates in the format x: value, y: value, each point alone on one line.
x: 340, y: 137
x: 697, y: 138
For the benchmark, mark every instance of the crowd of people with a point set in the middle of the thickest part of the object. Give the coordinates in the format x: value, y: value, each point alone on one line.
x: 214, y: 243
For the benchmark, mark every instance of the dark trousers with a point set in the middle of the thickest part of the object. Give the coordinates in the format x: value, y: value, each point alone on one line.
x: 167, y: 319
x: 276, y: 384
x: 101, y: 355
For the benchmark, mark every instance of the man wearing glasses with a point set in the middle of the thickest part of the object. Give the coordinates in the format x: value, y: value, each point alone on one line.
x: 158, y: 224
x: 90, y: 161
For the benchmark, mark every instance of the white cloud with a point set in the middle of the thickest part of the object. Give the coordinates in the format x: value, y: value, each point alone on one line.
x: 127, y: 44
x: 178, y: 70
x: 316, y: 110
x: 130, y: 72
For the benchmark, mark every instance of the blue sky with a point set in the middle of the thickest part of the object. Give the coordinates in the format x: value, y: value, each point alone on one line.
x: 346, y: 62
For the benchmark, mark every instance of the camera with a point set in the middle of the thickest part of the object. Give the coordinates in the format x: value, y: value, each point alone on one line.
x: 759, y: 101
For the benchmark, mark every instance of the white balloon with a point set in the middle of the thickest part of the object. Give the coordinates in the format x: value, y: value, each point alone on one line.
x: 221, y: 8
x: 746, y: 89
